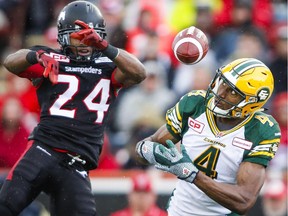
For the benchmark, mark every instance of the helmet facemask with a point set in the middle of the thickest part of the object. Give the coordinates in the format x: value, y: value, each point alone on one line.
x: 235, y: 109
x: 65, y: 42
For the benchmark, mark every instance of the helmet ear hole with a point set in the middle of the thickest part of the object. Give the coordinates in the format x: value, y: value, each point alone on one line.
x: 254, y: 108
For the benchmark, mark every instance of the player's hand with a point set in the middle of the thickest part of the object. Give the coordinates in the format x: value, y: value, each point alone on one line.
x: 50, y: 64
x: 148, y: 151
x: 179, y: 164
x: 89, y: 36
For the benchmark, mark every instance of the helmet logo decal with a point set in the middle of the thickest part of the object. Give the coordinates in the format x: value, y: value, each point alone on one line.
x: 62, y: 15
x: 263, y: 94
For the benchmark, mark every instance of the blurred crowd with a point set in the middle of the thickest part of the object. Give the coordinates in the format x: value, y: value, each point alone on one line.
x: 146, y: 28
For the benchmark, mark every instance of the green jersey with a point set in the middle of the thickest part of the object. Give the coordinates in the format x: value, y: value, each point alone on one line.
x: 216, y: 153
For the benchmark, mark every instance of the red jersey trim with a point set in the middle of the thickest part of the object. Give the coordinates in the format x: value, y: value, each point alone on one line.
x: 116, y: 85
x: 34, y: 71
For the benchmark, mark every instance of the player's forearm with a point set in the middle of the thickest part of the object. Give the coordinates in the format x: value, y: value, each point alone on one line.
x: 161, y: 135
x: 17, y: 61
x: 227, y: 195
x: 131, y: 67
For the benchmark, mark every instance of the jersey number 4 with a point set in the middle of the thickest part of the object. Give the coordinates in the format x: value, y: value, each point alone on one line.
x: 207, y: 161
x: 102, y: 89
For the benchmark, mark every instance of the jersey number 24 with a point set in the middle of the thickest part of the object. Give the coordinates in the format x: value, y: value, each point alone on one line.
x: 102, y: 88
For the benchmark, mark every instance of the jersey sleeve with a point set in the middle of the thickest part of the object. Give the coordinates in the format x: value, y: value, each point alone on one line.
x: 177, y: 116
x: 32, y: 72
x: 265, y: 135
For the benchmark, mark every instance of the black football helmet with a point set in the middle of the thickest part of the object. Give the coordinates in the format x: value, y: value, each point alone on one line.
x: 78, y: 10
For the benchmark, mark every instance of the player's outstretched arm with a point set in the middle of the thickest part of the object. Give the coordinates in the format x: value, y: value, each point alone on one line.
x: 19, y: 61
x: 130, y: 70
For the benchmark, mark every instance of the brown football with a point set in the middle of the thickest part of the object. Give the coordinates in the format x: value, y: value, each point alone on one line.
x: 190, y: 45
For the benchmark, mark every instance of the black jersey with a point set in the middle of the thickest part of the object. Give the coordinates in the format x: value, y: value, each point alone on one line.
x: 74, y: 111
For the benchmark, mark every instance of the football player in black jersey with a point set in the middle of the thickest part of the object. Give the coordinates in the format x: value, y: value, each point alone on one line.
x: 75, y: 87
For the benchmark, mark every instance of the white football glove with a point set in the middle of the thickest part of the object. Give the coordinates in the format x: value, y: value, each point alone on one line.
x: 168, y: 159
x: 177, y: 163
x: 148, y: 150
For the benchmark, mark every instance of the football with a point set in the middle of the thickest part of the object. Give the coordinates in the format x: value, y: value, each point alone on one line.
x: 190, y: 45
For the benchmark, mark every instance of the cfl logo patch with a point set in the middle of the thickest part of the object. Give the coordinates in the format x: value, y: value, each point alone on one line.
x: 58, y: 57
x: 186, y: 171
x: 145, y: 148
x: 263, y: 94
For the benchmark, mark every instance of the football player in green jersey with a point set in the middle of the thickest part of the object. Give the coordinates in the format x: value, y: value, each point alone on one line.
x: 226, y: 142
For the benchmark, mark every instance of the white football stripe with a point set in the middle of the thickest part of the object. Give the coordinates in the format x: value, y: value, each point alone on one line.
x: 189, y: 40
x: 191, y: 30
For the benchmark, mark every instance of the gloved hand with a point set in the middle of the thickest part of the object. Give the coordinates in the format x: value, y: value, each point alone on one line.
x: 148, y: 150
x: 50, y: 64
x: 179, y: 164
x: 89, y: 36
